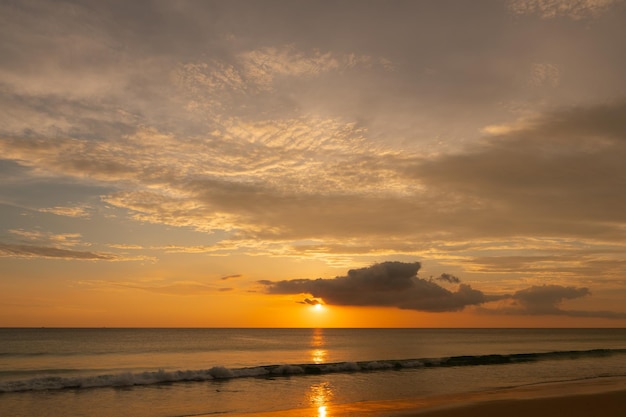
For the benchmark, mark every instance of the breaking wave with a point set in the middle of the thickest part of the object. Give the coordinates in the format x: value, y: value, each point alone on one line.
x: 129, y: 379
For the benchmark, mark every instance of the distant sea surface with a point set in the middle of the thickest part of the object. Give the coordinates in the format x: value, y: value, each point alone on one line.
x: 191, y: 372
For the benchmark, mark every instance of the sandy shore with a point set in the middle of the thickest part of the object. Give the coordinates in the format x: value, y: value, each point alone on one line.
x: 612, y: 404
x: 601, y: 397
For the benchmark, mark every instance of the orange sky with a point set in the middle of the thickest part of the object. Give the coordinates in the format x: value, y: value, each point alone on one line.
x: 181, y: 163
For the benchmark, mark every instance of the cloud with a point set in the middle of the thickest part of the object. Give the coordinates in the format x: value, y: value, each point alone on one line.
x: 224, y: 278
x: 556, y: 175
x: 274, y: 184
x: 451, y: 279
x: 547, y: 299
x: 125, y: 246
x: 47, y: 238
x: 31, y: 251
x: 174, y: 180
x: 265, y: 64
x: 257, y: 70
x: 337, y: 196
x: 542, y: 75
x: 73, y: 211
x: 42, y: 244
x: 266, y: 78
x: 310, y: 302
x: 396, y: 284
x: 176, y: 287
x: 574, y: 9
x: 239, y: 137
x: 388, y: 284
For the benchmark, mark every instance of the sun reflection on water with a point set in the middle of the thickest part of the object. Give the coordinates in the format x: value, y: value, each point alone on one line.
x: 319, y: 397
x: 318, y: 353
x: 321, y: 393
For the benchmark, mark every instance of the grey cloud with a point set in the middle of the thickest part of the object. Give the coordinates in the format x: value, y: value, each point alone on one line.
x: 226, y: 277
x: 57, y: 115
x: 545, y: 299
x: 30, y: 251
x: 556, y: 175
x: 310, y: 302
x: 396, y: 284
x: 449, y: 278
x: 270, y: 213
x: 389, y: 284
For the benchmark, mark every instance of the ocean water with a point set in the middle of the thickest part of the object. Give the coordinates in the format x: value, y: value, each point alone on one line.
x: 192, y: 372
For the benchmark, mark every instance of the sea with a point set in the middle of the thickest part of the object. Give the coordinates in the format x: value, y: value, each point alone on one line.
x: 104, y: 372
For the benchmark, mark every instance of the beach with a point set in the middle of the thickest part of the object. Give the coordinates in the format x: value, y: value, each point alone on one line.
x: 611, y: 404
x: 602, y: 397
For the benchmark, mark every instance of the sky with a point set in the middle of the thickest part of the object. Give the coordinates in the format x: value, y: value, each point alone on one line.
x: 236, y: 163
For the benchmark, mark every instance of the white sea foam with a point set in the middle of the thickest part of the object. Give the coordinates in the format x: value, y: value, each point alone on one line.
x: 221, y: 372
x: 341, y: 367
x: 125, y: 379
x: 376, y: 365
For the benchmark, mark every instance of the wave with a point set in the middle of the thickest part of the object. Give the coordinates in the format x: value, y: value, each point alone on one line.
x: 129, y: 379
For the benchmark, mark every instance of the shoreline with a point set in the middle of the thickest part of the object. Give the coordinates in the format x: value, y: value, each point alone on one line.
x: 602, y: 397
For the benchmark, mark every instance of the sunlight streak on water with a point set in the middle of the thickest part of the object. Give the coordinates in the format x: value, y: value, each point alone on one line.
x: 320, y: 395
x: 318, y: 354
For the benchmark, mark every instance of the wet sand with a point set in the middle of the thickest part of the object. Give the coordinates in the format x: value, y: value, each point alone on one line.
x: 601, y: 397
x: 612, y: 404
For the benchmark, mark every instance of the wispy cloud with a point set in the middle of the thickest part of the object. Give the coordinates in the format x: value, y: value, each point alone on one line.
x: 72, y: 211
x: 259, y: 69
x: 41, y: 244
x: 226, y: 277
x: 544, y: 75
x: 264, y: 65
x: 31, y: 251
x: 41, y: 237
x: 125, y: 246
x: 574, y: 9
x: 166, y: 287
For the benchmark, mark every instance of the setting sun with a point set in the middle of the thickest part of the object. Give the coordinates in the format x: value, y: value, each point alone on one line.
x: 318, y: 307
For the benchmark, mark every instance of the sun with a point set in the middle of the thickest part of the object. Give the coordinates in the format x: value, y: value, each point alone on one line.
x: 318, y: 307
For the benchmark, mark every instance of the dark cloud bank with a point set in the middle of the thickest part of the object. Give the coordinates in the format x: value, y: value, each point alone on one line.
x: 396, y: 284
